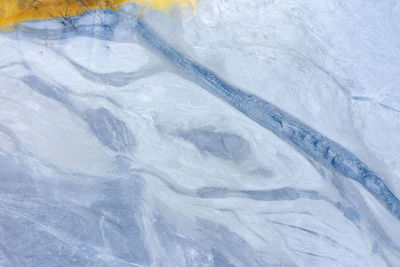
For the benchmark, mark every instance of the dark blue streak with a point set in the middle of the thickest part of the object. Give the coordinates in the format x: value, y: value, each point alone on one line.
x: 317, y: 146
x: 320, y: 148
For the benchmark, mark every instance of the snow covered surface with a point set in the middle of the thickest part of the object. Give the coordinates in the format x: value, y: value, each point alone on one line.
x: 111, y: 156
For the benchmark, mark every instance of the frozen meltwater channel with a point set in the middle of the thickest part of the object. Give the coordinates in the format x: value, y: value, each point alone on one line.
x: 113, y: 154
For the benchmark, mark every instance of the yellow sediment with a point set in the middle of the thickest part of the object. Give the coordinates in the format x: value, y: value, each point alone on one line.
x: 13, y: 12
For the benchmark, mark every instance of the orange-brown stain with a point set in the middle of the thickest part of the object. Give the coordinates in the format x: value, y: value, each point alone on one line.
x: 13, y: 12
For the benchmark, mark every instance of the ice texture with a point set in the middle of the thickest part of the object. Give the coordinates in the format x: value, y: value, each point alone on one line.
x: 257, y: 133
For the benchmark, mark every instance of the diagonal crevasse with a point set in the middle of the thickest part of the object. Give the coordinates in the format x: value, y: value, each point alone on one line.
x: 319, y: 147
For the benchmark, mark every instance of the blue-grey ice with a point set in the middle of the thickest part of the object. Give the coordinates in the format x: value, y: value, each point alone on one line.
x: 257, y: 133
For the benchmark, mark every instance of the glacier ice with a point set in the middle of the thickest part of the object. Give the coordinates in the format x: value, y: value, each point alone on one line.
x: 113, y: 154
